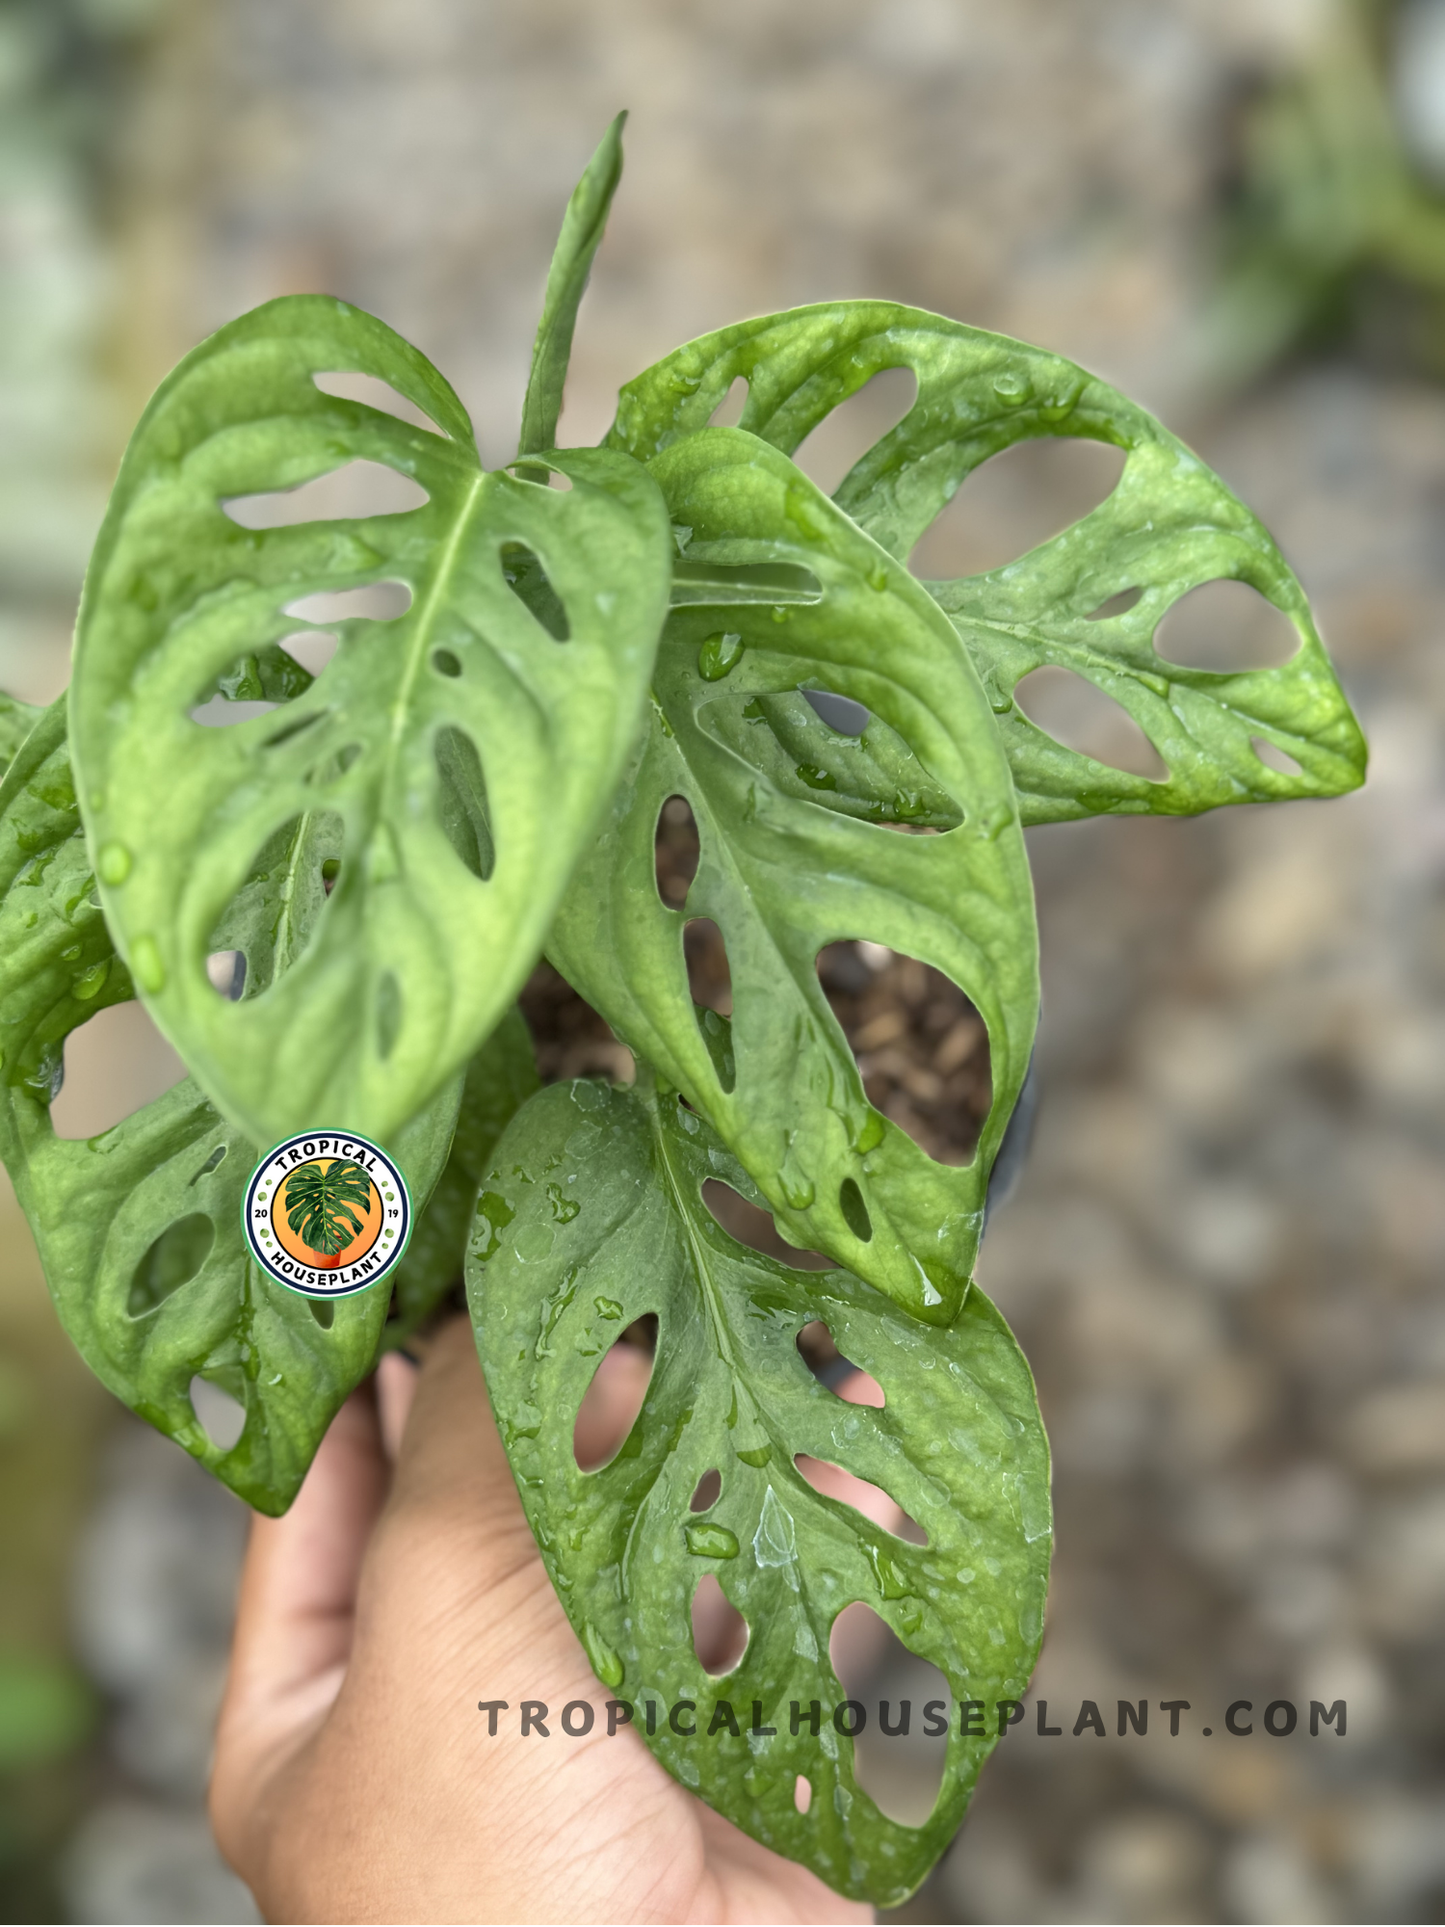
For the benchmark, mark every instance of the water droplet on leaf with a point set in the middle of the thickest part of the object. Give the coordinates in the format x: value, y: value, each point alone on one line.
x: 711, y: 1542
x: 147, y: 966
x: 605, y: 1662
x: 719, y: 656
x: 92, y: 982
x: 816, y: 777
x: 114, y: 864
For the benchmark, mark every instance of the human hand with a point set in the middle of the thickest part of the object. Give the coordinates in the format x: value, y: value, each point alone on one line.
x: 355, y: 1779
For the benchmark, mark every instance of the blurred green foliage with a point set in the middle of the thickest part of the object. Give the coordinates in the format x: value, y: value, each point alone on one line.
x: 1333, y: 231
x: 63, y: 71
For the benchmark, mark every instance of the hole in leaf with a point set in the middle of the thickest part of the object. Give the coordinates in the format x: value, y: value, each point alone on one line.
x: 717, y: 1034
x: 837, y: 1482
x: 708, y: 976
x: 172, y: 1261
x: 388, y: 1014
x: 1226, y: 626
x: 445, y: 663
x: 350, y: 386
x: 256, y: 682
x: 819, y: 1353
x: 114, y: 1063
x: 220, y: 714
x: 855, y: 1211
x: 920, y: 1045
x: 1117, y: 605
x: 529, y: 582
x: 802, y: 1794
x: 729, y: 411
x: 1273, y: 757
x: 1077, y: 713
x: 719, y: 1631
x: 845, y: 436
x: 838, y: 712
x: 709, y: 1489
x: 216, y: 1159
x: 226, y: 970
x: 278, y: 923
x: 222, y: 1418
x: 676, y: 850
x: 346, y: 494
x: 312, y: 648
x: 380, y: 601
x: 900, y: 1773
x: 323, y: 1311
x: 755, y: 1228
x: 612, y: 1402
x: 462, y: 801
x: 1014, y: 501
x: 533, y: 474
x: 831, y: 1368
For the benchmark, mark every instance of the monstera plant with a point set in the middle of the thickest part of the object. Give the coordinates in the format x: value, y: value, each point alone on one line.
x: 373, y: 859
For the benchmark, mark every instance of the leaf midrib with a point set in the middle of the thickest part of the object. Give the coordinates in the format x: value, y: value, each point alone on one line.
x: 421, y: 628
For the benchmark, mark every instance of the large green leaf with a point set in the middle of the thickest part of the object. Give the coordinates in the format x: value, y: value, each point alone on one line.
x: 139, y: 1229
x: 430, y: 740
x: 592, y: 1218
x: 1169, y: 526
x: 790, y: 863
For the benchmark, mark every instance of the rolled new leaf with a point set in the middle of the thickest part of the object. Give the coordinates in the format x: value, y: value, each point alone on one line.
x: 593, y: 1218
x: 577, y: 244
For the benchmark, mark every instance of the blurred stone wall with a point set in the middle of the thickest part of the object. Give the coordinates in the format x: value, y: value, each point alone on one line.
x: 1225, y: 1260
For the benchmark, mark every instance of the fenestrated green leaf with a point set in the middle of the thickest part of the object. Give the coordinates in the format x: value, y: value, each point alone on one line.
x: 790, y: 863
x: 1168, y: 526
x: 425, y: 938
x: 593, y: 1218
x: 577, y: 244
x: 139, y: 1229
x: 500, y: 1078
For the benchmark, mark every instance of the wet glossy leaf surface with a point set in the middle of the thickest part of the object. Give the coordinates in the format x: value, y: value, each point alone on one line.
x: 593, y: 1218
x: 795, y: 856
x: 1167, y: 527
x: 139, y: 1230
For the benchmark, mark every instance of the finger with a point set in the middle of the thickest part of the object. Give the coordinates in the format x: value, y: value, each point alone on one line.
x: 857, y: 1388
x: 610, y: 1405
x: 836, y: 1482
x: 451, y: 1470
x: 395, y: 1390
x: 294, y: 1623
x: 298, y: 1585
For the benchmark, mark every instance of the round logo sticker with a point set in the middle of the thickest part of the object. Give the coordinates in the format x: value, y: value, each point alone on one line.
x: 326, y: 1214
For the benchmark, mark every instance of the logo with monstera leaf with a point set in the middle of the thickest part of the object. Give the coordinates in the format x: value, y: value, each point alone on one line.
x: 327, y: 1213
